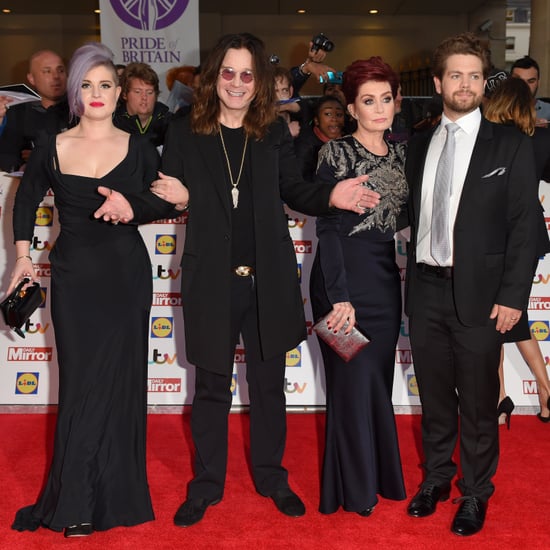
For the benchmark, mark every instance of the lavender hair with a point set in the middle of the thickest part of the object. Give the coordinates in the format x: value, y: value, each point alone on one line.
x: 84, y: 59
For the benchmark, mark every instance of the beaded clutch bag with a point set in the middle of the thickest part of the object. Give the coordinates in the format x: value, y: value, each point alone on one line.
x: 347, y: 346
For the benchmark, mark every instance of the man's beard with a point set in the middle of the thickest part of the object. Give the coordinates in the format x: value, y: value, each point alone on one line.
x: 463, y: 105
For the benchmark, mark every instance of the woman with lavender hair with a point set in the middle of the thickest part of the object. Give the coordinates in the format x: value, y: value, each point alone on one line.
x: 100, y: 302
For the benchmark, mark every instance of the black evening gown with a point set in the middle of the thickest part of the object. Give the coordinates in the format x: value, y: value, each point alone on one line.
x: 355, y: 262
x: 101, y: 293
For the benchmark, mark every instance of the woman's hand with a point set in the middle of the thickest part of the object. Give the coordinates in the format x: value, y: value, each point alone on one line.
x: 115, y: 208
x: 23, y: 268
x: 171, y: 190
x: 342, y: 313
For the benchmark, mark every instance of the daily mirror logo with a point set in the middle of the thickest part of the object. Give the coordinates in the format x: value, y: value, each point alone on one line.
x: 149, y: 15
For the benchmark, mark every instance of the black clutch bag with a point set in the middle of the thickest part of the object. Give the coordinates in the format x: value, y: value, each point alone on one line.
x: 21, y: 304
x: 347, y: 346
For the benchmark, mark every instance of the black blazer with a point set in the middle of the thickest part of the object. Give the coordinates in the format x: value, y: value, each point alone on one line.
x: 206, y: 263
x: 495, y: 232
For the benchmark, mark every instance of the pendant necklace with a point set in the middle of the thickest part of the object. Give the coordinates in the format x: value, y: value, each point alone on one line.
x: 234, y: 184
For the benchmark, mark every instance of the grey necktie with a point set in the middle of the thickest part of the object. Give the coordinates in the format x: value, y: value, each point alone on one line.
x: 440, y: 245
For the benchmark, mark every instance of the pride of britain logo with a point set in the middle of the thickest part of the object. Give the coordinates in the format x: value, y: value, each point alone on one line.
x: 149, y: 15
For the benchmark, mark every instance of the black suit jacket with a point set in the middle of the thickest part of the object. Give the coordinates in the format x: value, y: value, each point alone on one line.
x: 495, y: 232
x: 25, y: 125
x: 198, y: 162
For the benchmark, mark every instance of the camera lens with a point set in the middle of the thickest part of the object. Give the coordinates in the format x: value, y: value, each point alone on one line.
x: 320, y: 41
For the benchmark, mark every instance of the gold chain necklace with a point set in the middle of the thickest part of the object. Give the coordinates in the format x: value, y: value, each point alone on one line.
x: 234, y: 184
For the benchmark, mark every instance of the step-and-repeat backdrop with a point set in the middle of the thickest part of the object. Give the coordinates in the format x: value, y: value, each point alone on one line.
x: 28, y: 367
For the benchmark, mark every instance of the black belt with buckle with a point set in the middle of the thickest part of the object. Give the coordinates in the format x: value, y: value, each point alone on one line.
x: 436, y: 270
x: 243, y: 270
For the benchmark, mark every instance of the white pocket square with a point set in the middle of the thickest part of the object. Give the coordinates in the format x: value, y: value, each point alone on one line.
x: 496, y: 172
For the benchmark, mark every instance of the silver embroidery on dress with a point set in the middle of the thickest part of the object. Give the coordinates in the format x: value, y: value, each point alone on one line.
x: 348, y: 158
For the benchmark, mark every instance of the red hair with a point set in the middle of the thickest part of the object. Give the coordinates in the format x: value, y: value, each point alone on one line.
x: 365, y: 70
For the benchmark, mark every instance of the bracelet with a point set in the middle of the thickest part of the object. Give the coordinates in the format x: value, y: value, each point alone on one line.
x: 301, y: 68
x: 18, y: 258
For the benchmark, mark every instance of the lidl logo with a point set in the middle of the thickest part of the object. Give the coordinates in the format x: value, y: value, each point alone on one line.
x: 165, y: 244
x: 412, y: 386
x: 294, y: 357
x: 540, y: 329
x: 44, y: 216
x: 162, y: 327
x: 26, y: 383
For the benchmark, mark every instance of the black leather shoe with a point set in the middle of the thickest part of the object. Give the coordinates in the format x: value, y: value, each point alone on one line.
x: 366, y: 512
x: 425, y: 501
x: 469, y: 517
x: 192, y: 511
x: 288, y: 503
x: 80, y: 530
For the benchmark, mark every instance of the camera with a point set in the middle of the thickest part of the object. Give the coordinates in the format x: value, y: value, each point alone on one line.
x: 274, y: 59
x: 321, y: 42
x: 333, y: 78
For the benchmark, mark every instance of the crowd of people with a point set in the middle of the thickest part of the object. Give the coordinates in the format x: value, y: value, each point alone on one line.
x: 236, y: 144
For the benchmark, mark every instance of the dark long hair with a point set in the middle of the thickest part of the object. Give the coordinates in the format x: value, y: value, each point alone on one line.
x: 206, y: 107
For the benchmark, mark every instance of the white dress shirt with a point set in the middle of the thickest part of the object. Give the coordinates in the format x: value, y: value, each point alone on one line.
x: 465, y: 139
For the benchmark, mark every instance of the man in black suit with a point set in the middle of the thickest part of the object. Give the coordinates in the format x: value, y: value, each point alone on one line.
x: 239, y: 273
x: 463, y: 295
x: 22, y: 123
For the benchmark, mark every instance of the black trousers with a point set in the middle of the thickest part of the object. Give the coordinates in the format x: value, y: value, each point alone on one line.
x: 212, y: 403
x: 457, y: 373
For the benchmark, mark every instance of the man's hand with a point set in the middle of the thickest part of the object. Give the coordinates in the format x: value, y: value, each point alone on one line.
x: 115, y: 207
x: 351, y: 195
x: 318, y: 70
x: 171, y: 190
x: 318, y: 55
x: 4, y: 101
x: 507, y: 317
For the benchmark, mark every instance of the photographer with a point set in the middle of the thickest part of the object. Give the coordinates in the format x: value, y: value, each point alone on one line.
x: 313, y: 65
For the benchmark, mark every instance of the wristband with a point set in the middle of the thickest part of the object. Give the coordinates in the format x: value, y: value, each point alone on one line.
x: 19, y: 257
x: 301, y: 68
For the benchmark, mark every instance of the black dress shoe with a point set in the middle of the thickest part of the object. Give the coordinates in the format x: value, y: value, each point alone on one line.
x: 192, y: 511
x: 469, y: 517
x: 80, y: 530
x: 288, y: 503
x: 425, y: 501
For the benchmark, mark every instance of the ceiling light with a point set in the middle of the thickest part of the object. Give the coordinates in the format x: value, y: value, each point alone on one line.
x: 373, y: 12
x: 301, y: 11
x: 5, y: 10
x: 97, y: 11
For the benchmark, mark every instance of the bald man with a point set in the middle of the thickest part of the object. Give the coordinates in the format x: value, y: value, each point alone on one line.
x: 23, y: 123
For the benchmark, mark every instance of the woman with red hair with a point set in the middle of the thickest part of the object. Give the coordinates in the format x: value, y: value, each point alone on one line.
x: 355, y: 279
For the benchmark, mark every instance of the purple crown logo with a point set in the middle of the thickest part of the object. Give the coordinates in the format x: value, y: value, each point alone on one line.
x: 149, y: 15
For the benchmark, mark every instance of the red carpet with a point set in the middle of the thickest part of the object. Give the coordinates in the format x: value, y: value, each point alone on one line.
x: 518, y: 514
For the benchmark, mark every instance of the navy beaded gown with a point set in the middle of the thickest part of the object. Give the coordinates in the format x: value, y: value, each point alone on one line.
x: 355, y: 262
x: 101, y: 294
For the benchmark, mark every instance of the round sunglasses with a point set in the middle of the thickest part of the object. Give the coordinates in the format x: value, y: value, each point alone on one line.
x: 229, y: 74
